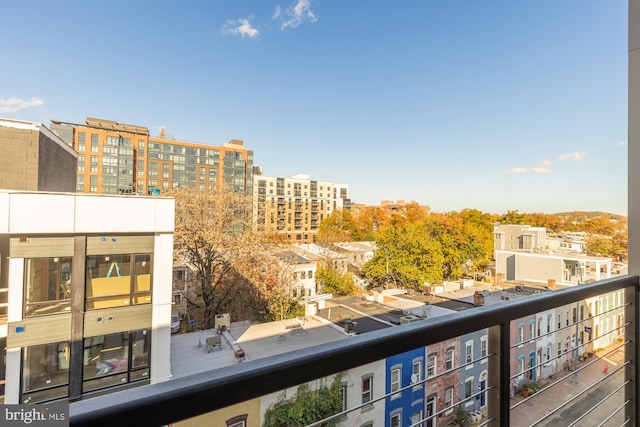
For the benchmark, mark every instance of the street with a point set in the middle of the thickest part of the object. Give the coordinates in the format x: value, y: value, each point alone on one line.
x: 592, y: 387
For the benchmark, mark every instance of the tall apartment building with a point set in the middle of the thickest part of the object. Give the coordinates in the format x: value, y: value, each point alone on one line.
x: 295, y: 207
x: 116, y: 158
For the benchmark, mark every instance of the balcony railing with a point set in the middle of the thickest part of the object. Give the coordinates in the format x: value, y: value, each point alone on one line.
x: 183, y: 398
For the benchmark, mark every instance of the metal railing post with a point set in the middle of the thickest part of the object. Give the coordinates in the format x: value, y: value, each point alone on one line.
x: 499, y: 393
x: 632, y: 349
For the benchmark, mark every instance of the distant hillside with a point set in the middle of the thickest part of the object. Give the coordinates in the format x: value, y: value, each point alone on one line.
x: 603, y: 223
x: 589, y: 215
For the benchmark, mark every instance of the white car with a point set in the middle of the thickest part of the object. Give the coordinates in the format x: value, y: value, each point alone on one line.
x: 175, y: 323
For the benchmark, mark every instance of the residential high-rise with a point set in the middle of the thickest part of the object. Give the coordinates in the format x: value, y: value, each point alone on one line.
x: 116, y: 158
x: 295, y: 207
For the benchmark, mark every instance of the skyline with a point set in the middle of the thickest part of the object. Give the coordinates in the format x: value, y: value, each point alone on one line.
x: 493, y: 106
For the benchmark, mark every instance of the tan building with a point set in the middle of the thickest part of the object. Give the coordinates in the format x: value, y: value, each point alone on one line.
x: 519, y: 237
x: 295, y: 207
x: 116, y: 158
x: 34, y: 158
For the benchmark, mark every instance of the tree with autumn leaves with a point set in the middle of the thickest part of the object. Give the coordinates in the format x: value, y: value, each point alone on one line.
x: 234, y: 273
x: 213, y: 238
x: 434, y: 248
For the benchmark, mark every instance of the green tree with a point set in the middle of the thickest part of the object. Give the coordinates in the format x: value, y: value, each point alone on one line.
x: 332, y: 281
x: 340, y: 226
x: 406, y: 256
x: 307, y: 406
x: 599, y: 246
x: 512, y: 217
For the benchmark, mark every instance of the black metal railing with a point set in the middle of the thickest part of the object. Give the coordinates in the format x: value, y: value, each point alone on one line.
x: 183, y: 398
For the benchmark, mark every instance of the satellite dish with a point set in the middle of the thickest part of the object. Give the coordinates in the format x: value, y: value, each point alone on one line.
x: 486, y: 293
x: 414, y: 378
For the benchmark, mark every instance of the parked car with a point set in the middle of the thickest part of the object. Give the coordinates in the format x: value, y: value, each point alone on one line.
x: 175, y: 323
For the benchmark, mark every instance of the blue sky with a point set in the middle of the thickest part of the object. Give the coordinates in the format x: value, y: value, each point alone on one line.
x: 492, y: 105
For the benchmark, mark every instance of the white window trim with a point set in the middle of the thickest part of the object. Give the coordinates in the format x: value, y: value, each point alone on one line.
x: 468, y: 363
x: 396, y: 394
x: 469, y: 402
x: 433, y: 356
x: 484, y: 340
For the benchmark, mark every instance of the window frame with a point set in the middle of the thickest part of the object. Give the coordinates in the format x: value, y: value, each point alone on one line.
x: 432, y: 368
x: 395, y: 381
x: 366, y: 395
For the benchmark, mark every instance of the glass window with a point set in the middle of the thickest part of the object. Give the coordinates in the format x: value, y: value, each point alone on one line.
x: 431, y: 365
x: 468, y: 387
x: 416, y: 371
x: 469, y: 352
x: 47, y: 285
x: 449, y: 359
x: 395, y: 420
x: 118, y: 280
x: 367, y: 389
x: 45, y: 372
x: 141, y: 148
x: 532, y: 330
x: 115, y: 359
x: 521, y: 333
x: 483, y: 346
x: 395, y: 381
x: 448, y: 398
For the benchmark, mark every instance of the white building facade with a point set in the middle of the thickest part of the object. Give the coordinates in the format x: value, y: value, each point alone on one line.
x: 87, y: 284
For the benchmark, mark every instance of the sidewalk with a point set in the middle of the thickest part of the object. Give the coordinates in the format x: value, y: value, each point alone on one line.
x: 555, y: 392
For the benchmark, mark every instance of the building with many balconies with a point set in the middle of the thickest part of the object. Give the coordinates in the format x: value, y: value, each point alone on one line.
x: 294, y: 207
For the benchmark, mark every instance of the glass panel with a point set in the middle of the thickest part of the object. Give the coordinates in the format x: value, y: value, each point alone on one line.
x: 106, y: 355
x: 142, y: 284
x: 140, y: 349
x: 45, y: 367
x: 108, y: 281
x: 47, y: 285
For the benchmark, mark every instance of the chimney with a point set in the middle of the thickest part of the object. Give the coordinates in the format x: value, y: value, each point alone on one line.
x: 478, y: 299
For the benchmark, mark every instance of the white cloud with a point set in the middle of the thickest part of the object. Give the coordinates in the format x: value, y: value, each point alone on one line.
x: 544, y: 167
x: 10, y: 105
x: 277, y: 12
x: 241, y: 27
x: 517, y: 171
x: 623, y: 143
x: 295, y: 15
x: 576, y: 156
